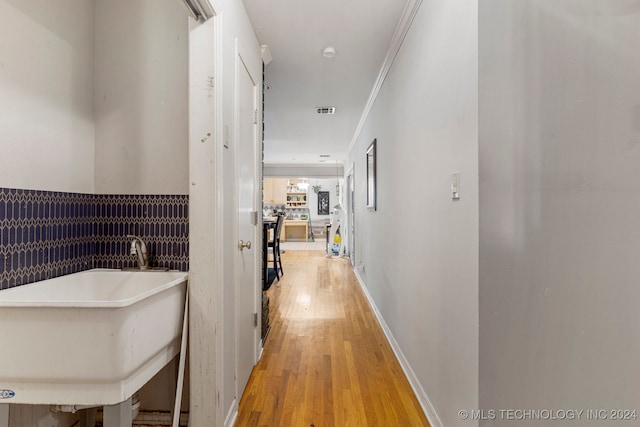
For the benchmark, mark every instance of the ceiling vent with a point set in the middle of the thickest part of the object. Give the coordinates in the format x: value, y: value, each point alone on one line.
x: 326, y: 110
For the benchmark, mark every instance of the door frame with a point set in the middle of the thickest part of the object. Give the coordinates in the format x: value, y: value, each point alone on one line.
x: 256, y: 238
x: 206, y: 246
x: 350, y: 181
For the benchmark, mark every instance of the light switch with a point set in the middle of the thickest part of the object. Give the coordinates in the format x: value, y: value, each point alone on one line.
x: 455, y: 186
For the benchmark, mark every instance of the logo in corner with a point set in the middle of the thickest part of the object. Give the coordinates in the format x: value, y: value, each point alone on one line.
x: 6, y: 394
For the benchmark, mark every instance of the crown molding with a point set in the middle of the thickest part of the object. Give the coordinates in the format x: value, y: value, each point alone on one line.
x: 410, y: 10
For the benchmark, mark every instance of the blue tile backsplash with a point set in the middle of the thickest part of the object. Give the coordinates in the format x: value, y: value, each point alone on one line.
x: 161, y: 221
x: 45, y: 234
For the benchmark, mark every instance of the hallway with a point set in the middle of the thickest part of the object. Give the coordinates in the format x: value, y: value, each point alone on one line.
x: 326, y: 361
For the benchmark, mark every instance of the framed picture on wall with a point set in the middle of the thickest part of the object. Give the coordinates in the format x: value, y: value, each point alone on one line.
x: 371, y: 176
x: 323, y: 203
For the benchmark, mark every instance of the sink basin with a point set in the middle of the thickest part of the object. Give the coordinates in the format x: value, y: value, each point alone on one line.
x: 89, y: 338
x: 148, y: 270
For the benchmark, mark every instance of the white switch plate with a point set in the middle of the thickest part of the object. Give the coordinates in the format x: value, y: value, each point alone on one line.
x: 455, y: 186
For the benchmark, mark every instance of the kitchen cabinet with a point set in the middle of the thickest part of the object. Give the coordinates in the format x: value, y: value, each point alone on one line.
x: 295, y: 230
x: 275, y: 191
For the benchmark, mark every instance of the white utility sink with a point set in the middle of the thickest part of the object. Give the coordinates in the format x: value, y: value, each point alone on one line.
x: 89, y: 338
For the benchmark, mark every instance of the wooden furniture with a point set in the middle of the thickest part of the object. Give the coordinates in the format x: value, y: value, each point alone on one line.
x: 296, y: 195
x: 295, y: 230
x: 274, y: 244
x: 296, y: 200
x: 275, y: 191
x: 267, y: 226
x: 283, y: 191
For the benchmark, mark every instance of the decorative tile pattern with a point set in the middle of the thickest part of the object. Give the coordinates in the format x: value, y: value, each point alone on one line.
x: 45, y: 234
x: 161, y: 221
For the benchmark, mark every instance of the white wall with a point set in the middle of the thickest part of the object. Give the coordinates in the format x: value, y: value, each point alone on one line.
x: 141, y: 97
x: 419, y: 250
x: 46, y: 87
x: 327, y: 185
x: 298, y: 170
x: 48, y: 74
x: 560, y: 205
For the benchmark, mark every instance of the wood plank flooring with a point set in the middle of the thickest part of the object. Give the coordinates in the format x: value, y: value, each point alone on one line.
x: 326, y: 361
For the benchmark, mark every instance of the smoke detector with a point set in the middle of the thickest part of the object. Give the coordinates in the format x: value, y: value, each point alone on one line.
x: 329, y: 52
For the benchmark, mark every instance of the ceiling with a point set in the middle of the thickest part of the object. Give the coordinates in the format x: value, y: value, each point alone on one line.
x: 301, y: 78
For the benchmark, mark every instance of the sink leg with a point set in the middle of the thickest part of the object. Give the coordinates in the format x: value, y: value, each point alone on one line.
x: 118, y: 415
x: 88, y: 417
x: 4, y: 415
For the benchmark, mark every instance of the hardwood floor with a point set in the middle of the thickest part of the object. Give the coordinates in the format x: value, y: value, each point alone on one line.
x: 326, y: 361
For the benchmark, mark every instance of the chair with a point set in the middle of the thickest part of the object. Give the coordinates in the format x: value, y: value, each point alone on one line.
x: 274, y: 244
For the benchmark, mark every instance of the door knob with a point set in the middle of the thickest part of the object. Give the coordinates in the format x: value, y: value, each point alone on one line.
x: 242, y: 245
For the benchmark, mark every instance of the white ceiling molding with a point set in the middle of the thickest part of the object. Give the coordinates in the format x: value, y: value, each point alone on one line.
x: 199, y: 9
x: 410, y: 10
x: 266, y: 54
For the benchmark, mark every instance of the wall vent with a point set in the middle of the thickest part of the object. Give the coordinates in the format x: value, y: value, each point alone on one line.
x: 326, y: 110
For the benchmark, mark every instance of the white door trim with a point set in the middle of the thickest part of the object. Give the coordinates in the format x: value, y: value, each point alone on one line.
x: 219, y: 205
x: 349, y: 196
x: 206, y: 221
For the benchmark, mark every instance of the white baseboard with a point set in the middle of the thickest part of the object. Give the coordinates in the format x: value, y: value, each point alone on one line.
x: 421, y: 395
x: 231, y: 417
x: 260, y: 351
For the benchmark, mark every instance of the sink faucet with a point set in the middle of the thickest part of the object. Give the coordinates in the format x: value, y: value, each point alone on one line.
x: 138, y: 247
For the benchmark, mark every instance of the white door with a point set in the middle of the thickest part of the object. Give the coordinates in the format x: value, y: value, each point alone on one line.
x: 246, y: 282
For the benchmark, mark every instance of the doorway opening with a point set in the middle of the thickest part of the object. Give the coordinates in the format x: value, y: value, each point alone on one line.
x: 308, y: 206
